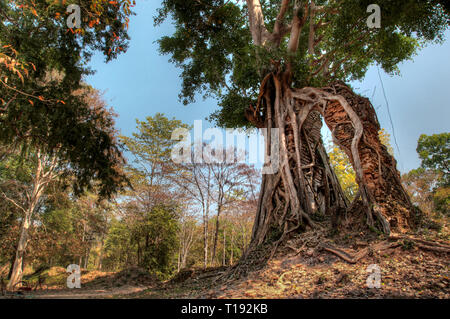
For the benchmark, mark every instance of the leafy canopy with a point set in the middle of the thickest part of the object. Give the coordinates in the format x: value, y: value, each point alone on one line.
x: 434, y: 151
x: 213, y: 45
x: 43, y: 101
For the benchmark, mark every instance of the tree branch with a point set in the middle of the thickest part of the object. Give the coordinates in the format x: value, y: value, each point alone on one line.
x: 257, y: 25
x: 279, y: 28
x: 296, y: 29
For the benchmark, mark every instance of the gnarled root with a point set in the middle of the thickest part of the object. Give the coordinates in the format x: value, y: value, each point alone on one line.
x: 354, y: 258
x: 391, y: 242
x: 305, y: 184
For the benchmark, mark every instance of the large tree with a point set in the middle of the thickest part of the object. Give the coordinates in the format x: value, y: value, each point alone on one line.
x: 42, y: 65
x: 42, y: 166
x: 284, y: 64
x: 43, y: 103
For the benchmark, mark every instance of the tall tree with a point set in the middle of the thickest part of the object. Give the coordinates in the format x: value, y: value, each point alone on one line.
x: 195, y: 180
x: 42, y: 63
x: 282, y: 64
x: 429, y: 185
x: 153, y: 192
x: 45, y: 170
x: 48, y: 165
x: 228, y: 178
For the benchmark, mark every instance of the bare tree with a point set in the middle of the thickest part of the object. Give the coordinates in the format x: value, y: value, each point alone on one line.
x: 230, y: 178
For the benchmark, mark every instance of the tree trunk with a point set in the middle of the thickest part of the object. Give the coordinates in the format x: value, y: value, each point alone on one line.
x: 139, y: 254
x: 11, y: 267
x: 86, y: 260
x: 16, y: 275
x: 232, y: 247
x: 180, y: 251
x: 216, y: 233
x: 100, y: 258
x: 224, y: 248
x: 205, y: 242
x: 305, y: 183
x: 40, y: 180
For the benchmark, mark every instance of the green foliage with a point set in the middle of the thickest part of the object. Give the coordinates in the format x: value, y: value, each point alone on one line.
x: 159, y: 229
x: 434, y: 151
x: 212, y: 45
x: 152, y: 145
x: 147, y: 235
x: 441, y: 199
x: 42, y: 64
x: 149, y: 241
x: 429, y: 184
x: 344, y: 169
x: 420, y: 185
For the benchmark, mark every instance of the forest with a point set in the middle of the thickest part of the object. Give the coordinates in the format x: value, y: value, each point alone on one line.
x: 75, y: 190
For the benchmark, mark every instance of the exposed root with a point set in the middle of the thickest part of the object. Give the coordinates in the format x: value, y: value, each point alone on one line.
x: 424, y: 244
x: 391, y: 242
x: 305, y: 186
x: 354, y: 258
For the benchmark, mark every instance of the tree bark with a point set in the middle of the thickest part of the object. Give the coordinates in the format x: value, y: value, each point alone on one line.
x: 16, y: 275
x: 205, y: 241
x: 100, y: 258
x: 224, y: 248
x: 305, y: 183
x: 40, y: 180
x: 216, y: 233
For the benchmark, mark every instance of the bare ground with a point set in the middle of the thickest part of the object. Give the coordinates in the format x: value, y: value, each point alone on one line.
x: 407, y: 271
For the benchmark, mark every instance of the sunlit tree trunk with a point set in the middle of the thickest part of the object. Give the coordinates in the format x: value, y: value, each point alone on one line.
x: 42, y: 176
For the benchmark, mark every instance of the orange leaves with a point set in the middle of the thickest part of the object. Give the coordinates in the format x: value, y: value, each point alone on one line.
x: 94, y: 22
x: 41, y: 98
x: 115, y: 37
x: 76, y: 31
x: 31, y: 7
x: 11, y: 62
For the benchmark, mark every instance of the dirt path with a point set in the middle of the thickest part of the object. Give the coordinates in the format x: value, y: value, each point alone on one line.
x: 86, y: 293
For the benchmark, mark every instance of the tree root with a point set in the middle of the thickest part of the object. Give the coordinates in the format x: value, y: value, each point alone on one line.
x: 353, y: 258
x: 424, y: 244
x: 356, y: 257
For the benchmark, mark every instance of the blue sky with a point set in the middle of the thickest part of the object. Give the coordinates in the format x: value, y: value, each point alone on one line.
x: 141, y: 83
